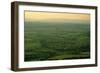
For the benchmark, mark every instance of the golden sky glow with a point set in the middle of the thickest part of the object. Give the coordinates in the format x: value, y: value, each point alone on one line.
x: 47, y: 16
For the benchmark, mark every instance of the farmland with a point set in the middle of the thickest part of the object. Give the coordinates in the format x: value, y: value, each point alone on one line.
x: 56, y: 41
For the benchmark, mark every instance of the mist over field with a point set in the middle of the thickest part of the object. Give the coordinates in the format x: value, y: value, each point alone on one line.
x: 56, y: 41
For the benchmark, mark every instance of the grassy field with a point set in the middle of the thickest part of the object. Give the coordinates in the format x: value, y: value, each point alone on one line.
x: 56, y: 41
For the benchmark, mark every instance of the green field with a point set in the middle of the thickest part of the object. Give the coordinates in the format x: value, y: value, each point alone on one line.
x: 56, y: 41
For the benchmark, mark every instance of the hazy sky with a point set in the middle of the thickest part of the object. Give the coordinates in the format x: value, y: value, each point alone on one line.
x: 47, y: 16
